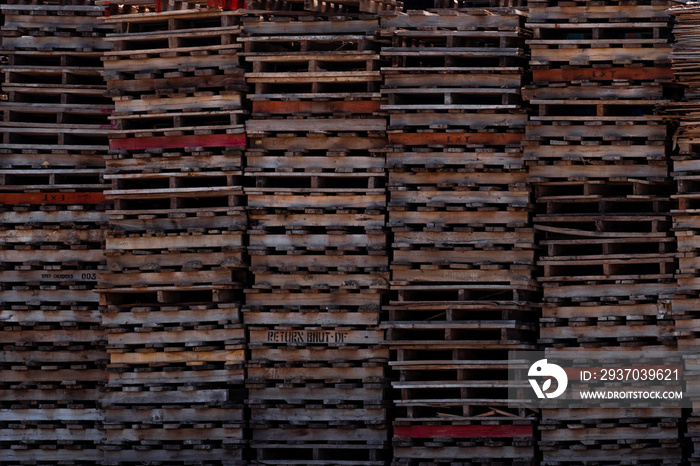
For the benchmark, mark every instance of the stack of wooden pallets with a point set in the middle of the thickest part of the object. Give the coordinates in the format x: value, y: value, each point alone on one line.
x: 175, y: 250
x: 685, y: 172
x: 318, y: 249
x: 596, y: 148
x: 52, y: 125
x: 463, y: 253
x: 686, y: 224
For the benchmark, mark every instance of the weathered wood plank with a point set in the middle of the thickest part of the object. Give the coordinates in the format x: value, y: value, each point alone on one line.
x: 368, y: 221
x: 312, y: 336
x: 179, y: 336
x: 336, y: 395
x: 143, y: 279
x: 65, y: 236
x: 48, y: 276
x: 317, y: 415
x: 460, y: 218
x: 168, y: 316
x: 311, y: 318
x: 463, y: 431
x: 599, y: 171
x: 329, y: 261
x: 164, y: 415
x: 181, y: 376
x: 171, y: 397
x: 54, y: 255
x: 51, y: 198
x: 54, y: 376
x: 455, y: 139
x: 37, y: 296
x: 51, y: 336
x: 332, y: 143
x: 312, y: 299
x: 314, y: 353
x: 291, y: 107
x: 316, y: 373
x: 315, y: 124
x: 292, y: 201
x: 325, y: 434
x: 447, y: 452
x: 180, y: 104
x: 181, y: 434
x: 177, y: 357
x: 599, y: 53
x: 51, y: 414
x: 422, y: 19
x: 174, y: 242
x: 173, y: 142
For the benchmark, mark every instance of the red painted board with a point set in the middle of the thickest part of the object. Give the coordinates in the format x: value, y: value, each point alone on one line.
x: 463, y: 431
x: 287, y: 107
x: 174, y: 142
x: 455, y: 139
x: 51, y: 198
x: 601, y: 74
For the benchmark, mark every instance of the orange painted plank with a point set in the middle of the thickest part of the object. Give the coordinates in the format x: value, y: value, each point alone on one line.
x: 277, y: 107
x: 455, y: 139
x: 174, y: 142
x: 51, y: 198
x: 601, y: 74
x: 466, y: 431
